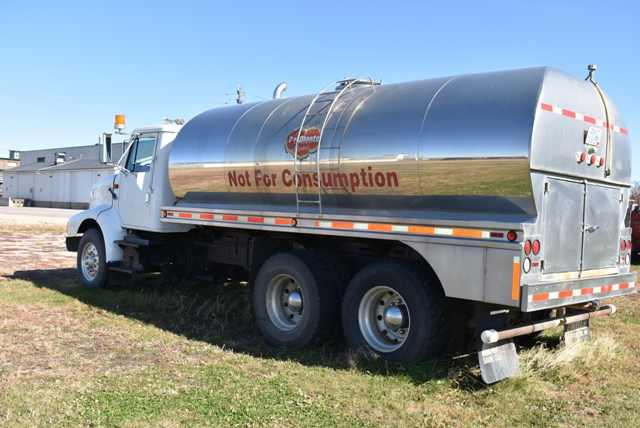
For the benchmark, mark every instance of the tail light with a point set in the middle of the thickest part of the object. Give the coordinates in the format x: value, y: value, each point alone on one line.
x: 625, y: 245
x: 581, y: 157
x: 535, y: 247
x: 512, y: 235
x: 527, y: 247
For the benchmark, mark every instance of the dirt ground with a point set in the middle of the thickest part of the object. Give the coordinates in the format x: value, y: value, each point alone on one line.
x: 35, y: 216
x: 21, y: 249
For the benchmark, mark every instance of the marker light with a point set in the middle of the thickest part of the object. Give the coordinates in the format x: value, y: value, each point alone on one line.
x: 512, y: 235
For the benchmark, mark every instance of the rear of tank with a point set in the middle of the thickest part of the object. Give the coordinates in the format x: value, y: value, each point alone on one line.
x: 578, y: 248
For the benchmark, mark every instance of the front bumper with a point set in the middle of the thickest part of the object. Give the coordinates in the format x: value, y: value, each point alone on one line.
x: 72, y: 243
x: 549, y: 295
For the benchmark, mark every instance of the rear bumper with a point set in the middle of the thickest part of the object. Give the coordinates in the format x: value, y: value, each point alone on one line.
x: 562, y: 293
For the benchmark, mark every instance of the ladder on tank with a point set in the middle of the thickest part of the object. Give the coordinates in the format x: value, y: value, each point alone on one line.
x: 324, y: 100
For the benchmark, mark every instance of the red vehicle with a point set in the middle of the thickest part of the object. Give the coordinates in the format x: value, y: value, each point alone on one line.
x: 635, y: 230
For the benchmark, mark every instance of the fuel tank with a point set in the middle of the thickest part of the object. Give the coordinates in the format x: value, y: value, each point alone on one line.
x: 461, y: 147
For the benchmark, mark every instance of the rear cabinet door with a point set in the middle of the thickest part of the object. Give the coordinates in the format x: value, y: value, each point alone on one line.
x: 602, y: 227
x: 563, y: 210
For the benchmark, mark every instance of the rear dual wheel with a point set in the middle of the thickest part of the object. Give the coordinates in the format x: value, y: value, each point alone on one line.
x: 295, y: 299
x: 391, y: 311
x: 388, y: 309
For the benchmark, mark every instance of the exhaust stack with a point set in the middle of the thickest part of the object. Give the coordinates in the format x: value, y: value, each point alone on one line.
x: 279, y: 90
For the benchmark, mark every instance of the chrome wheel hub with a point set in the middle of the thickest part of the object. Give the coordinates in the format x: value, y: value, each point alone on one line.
x: 294, y: 301
x: 90, y: 261
x: 384, y: 319
x: 393, y: 317
x: 285, y: 302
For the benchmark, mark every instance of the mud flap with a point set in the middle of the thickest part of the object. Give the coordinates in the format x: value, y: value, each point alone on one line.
x: 498, y: 361
x: 576, y: 332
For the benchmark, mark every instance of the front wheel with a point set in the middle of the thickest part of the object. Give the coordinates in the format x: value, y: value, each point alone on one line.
x: 390, y: 310
x: 91, y: 261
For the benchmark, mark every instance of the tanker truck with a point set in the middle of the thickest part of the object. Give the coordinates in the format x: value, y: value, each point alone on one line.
x: 480, y: 207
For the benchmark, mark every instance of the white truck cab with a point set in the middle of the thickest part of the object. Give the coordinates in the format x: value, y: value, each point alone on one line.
x: 130, y: 198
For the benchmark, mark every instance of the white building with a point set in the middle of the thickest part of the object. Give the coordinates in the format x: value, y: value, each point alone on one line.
x: 60, y: 177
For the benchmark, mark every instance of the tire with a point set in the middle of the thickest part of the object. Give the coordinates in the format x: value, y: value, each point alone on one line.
x: 390, y: 310
x: 275, y: 304
x: 94, y: 273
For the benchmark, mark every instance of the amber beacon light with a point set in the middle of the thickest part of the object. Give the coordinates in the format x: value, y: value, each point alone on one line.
x: 119, y: 122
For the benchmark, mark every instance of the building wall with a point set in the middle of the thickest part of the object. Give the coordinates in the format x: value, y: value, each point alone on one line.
x: 64, y: 188
x: 4, y: 165
x: 8, y: 163
x: 93, y: 152
x: 59, y: 189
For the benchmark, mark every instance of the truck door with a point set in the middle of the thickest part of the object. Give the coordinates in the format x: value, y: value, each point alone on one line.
x: 581, y: 225
x: 563, y: 210
x: 603, y: 205
x: 134, y: 184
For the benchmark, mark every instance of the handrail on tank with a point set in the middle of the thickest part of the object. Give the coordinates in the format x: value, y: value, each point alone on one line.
x: 340, y: 87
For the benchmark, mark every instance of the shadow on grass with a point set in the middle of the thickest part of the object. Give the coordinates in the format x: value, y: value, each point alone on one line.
x: 219, y: 313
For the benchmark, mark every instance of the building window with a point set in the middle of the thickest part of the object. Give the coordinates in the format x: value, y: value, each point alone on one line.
x: 40, y: 160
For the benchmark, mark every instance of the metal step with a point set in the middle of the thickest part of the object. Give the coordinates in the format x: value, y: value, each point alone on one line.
x: 125, y: 270
x: 132, y: 241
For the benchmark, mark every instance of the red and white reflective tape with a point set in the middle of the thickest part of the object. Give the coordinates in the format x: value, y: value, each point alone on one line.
x: 421, y: 230
x: 587, y: 291
x: 411, y: 229
x: 582, y: 117
x: 231, y: 218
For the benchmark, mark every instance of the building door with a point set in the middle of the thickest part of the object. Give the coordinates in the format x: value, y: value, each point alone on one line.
x: 43, y: 190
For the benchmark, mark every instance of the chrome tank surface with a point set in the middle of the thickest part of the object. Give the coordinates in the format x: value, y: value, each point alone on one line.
x: 455, y: 148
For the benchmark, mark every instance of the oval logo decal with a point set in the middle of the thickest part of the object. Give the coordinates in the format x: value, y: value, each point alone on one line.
x: 307, y: 144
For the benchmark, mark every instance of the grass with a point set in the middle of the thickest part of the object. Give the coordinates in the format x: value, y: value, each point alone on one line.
x: 152, y: 354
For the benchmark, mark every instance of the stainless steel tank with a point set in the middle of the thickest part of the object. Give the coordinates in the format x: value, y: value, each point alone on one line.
x: 463, y: 147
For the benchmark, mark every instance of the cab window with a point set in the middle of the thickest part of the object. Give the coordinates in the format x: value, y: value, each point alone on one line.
x: 141, y: 154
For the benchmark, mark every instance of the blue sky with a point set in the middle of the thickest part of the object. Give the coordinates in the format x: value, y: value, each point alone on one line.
x: 68, y: 66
